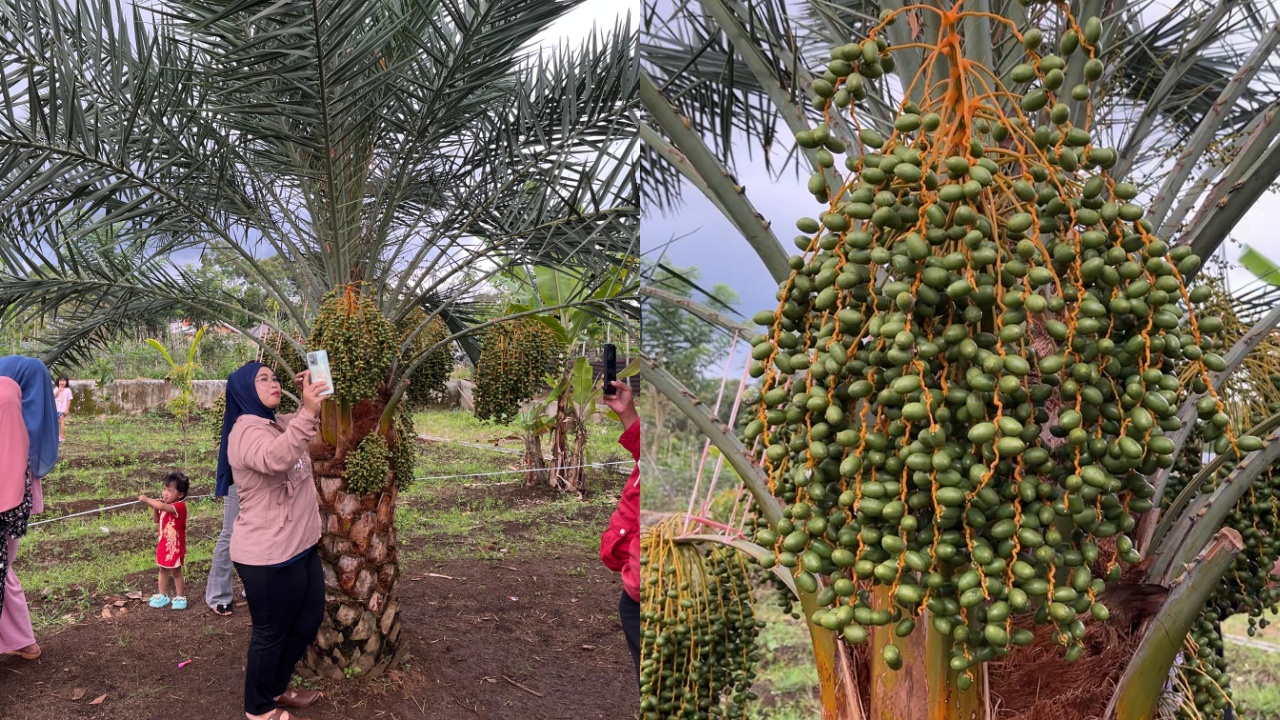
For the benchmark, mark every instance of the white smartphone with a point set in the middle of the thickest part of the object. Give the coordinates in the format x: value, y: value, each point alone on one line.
x: 318, y: 364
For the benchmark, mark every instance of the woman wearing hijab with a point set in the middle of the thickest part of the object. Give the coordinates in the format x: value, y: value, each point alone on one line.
x: 28, y: 451
x: 273, y: 541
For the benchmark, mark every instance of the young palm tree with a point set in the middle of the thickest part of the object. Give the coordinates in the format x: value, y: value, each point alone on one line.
x: 1188, y: 99
x: 394, y: 154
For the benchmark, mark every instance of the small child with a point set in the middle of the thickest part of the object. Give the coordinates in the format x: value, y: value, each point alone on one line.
x: 171, y: 513
x: 62, y: 402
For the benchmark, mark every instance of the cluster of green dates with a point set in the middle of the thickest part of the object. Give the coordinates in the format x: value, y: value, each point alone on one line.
x: 1247, y: 587
x: 1209, y: 680
x: 435, y: 368
x: 698, y: 651
x: 360, y: 341
x: 1208, y: 676
x: 515, y: 359
x: 972, y: 371
x: 366, y: 467
x: 403, y: 453
x: 214, y: 418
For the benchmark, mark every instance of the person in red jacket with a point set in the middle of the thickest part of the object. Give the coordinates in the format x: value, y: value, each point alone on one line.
x: 620, y: 544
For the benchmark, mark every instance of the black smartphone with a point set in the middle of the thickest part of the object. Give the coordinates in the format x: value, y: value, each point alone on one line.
x: 610, y: 368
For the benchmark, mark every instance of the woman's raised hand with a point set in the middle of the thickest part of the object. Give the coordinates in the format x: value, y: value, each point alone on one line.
x: 313, y: 394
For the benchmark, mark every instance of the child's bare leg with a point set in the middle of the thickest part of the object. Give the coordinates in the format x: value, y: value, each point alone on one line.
x: 164, y: 581
x: 62, y: 427
x: 178, y: 587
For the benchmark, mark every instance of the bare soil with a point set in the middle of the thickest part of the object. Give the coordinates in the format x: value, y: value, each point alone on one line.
x: 533, y: 637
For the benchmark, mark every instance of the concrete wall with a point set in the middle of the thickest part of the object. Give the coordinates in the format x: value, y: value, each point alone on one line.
x: 133, y: 397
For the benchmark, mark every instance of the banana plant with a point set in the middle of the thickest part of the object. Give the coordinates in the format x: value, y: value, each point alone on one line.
x: 182, y: 377
x: 557, y: 296
x: 105, y: 374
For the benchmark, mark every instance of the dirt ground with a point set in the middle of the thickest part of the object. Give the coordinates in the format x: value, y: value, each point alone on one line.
x: 476, y: 637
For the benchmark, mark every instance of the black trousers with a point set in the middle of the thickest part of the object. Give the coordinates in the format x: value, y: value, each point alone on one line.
x: 286, y: 605
x: 629, y: 613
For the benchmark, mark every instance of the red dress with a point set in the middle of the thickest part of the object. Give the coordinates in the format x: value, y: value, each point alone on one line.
x: 172, y: 548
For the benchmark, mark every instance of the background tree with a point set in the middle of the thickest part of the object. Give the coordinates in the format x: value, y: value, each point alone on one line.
x: 693, y: 351
x: 391, y: 157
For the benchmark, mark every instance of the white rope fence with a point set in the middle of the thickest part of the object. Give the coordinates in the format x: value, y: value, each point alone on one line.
x: 104, y: 509
x: 437, y: 477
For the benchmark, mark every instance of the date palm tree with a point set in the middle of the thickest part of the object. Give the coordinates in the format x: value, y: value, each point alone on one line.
x: 395, y: 154
x: 1189, y: 99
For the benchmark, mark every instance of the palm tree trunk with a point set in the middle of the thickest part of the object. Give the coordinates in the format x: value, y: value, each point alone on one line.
x: 360, y: 634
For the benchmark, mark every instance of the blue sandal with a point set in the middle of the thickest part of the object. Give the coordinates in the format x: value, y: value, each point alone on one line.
x: 158, y: 600
x: 179, y: 603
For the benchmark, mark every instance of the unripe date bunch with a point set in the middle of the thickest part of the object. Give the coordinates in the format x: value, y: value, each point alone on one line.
x: 972, y: 371
x: 698, y: 634
x: 1246, y: 589
x: 360, y: 342
x: 434, y: 370
x: 515, y: 359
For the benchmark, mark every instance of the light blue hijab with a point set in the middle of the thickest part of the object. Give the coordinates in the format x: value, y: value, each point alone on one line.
x: 38, y: 409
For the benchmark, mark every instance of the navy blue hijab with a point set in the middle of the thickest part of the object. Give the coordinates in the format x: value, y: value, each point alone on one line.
x: 38, y: 410
x: 242, y: 399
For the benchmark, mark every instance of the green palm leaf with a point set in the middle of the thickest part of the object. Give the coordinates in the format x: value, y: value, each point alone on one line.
x: 416, y: 146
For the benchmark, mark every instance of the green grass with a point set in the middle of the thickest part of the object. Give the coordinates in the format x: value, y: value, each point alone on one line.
x: 787, y: 680
x: 109, y: 460
x: 463, y: 426
x: 1255, y: 672
x: 1255, y: 681
x: 463, y: 512
x: 453, y: 519
x: 602, y: 442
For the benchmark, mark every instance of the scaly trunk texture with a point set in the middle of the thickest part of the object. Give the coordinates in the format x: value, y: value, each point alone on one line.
x: 360, y: 635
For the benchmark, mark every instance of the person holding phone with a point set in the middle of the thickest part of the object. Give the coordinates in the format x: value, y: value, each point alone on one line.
x: 273, y: 543
x: 620, y: 544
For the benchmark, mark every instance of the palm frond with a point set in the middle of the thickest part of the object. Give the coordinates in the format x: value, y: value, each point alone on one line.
x: 403, y: 144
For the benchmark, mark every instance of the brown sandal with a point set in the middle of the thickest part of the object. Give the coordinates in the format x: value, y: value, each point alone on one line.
x: 27, y: 655
x: 298, y: 698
